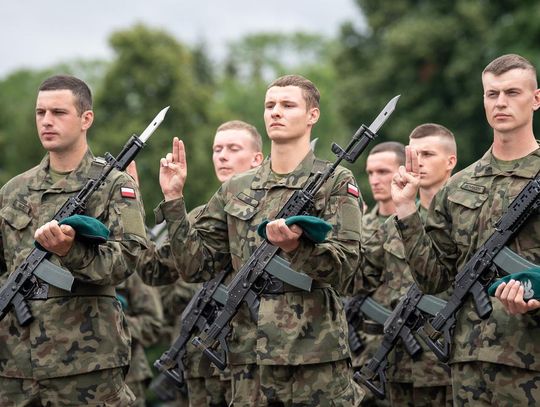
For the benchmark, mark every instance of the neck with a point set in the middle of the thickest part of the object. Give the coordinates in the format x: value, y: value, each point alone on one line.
x: 286, y: 157
x: 512, y: 146
x: 426, y: 194
x: 386, y: 208
x: 65, y: 161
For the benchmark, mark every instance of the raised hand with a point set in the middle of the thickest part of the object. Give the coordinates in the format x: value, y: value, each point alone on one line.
x: 173, y: 171
x: 405, y: 184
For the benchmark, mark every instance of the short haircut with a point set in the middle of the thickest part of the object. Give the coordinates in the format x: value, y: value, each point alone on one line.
x: 434, y: 129
x: 240, y: 125
x: 309, y: 90
x: 508, y: 62
x: 391, y: 147
x: 81, y: 91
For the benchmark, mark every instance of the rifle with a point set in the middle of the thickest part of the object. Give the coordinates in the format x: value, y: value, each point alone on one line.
x: 480, y: 270
x: 201, y: 312
x: 252, y: 278
x: 22, y: 283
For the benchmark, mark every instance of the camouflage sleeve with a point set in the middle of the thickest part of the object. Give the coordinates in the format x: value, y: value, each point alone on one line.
x: 3, y: 265
x: 111, y: 262
x: 156, y: 265
x: 369, y: 275
x: 200, y: 249
x: 335, y: 260
x: 430, y: 251
x: 144, y: 312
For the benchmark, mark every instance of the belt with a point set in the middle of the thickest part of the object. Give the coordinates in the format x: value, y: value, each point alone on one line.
x: 45, y: 291
x: 279, y: 287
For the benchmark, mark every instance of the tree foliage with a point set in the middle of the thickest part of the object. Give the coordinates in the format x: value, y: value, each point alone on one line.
x: 432, y: 53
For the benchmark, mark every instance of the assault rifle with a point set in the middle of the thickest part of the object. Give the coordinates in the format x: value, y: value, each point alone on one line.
x: 480, y: 270
x: 354, y: 321
x: 22, y: 283
x: 252, y: 278
x: 201, y: 312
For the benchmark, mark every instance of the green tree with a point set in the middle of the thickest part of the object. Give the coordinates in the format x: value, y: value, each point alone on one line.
x: 151, y: 70
x: 432, y: 53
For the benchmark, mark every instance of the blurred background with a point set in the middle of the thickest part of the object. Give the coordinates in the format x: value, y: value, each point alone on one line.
x: 211, y: 62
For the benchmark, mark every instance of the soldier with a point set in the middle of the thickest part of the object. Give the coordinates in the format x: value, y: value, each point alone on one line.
x: 297, y: 352
x: 494, y: 361
x: 382, y: 162
x: 237, y: 148
x: 422, y: 381
x: 76, y: 350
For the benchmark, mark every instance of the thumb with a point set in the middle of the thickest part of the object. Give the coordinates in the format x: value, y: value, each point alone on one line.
x: 67, y: 230
x: 296, y: 229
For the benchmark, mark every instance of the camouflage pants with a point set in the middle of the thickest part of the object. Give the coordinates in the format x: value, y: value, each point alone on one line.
x: 322, y: 384
x: 405, y: 395
x: 101, y: 388
x: 489, y: 384
x: 210, y: 392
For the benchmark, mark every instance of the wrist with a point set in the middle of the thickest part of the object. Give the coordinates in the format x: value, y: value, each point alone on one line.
x: 405, y: 209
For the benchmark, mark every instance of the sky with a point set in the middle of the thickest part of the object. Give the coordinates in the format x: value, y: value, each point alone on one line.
x: 38, y: 34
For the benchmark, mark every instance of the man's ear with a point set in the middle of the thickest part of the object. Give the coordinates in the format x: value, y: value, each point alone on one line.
x: 257, y: 159
x: 87, y: 118
x: 313, y: 115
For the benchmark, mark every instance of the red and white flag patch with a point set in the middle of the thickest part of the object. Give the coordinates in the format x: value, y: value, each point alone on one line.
x: 352, y: 190
x: 127, y: 192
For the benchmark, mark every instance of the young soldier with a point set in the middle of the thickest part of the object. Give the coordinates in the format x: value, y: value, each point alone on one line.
x: 297, y: 352
x: 494, y: 361
x: 77, y: 348
x: 422, y: 381
x: 382, y: 163
x: 237, y: 148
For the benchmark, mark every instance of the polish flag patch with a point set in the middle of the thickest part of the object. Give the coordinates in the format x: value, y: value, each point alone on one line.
x: 352, y: 190
x: 127, y: 192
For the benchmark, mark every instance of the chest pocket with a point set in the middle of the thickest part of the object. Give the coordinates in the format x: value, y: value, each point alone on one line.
x: 467, y: 218
x: 17, y: 215
x: 243, y: 220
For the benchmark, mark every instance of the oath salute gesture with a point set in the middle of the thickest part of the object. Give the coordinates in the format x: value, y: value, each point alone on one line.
x: 497, y: 359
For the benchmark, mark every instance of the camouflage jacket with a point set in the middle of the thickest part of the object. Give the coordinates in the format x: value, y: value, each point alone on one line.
x: 144, y: 314
x: 388, y: 261
x: 72, y: 334
x: 295, y: 327
x: 461, y: 218
x: 365, y: 283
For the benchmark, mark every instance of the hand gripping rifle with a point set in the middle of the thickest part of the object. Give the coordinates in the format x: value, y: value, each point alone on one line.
x: 481, y: 269
x: 24, y: 280
x: 252, y: 278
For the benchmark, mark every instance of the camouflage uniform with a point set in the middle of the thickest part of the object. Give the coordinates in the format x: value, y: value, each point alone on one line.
x: 204, y: 389
x: 298, y: 333
x: 371, y: 222
x: 144, y: 315
x: 461, y: 218
x: 411, y: 382
x: 78, y: 346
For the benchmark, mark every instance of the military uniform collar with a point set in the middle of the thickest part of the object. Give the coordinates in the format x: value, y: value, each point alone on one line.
x: 527, y: 167
x: 265, y: 178
x: 73, y: 182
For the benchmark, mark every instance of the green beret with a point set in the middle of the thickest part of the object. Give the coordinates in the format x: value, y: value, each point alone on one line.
x: 314, y: 228
x: 87, y: 228
x: 529, y: 279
